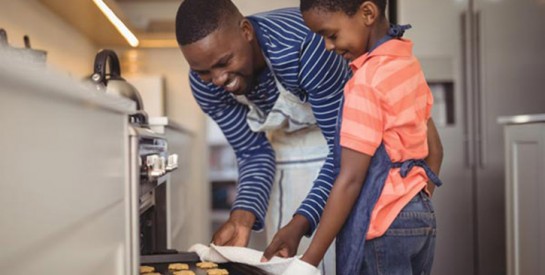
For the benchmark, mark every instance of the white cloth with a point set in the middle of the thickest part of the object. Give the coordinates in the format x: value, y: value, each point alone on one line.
x: 298, y: 267
x: 300, y: 150
x: 243, y: 255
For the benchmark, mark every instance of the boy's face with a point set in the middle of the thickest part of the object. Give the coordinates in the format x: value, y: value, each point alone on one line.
x: 224, y: 57
x: 347, y: 35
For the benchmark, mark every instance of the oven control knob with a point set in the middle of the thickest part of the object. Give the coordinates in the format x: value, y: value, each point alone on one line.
x: 157, y: 169
x: 172, y: 162
x: 153, y: 163
x: 162, y: 165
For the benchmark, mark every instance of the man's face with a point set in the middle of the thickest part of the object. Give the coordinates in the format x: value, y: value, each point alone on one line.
x: 347, y: 35
x: 225, y: 58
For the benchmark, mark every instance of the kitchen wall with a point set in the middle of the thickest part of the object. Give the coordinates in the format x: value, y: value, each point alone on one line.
x: 67, y: 49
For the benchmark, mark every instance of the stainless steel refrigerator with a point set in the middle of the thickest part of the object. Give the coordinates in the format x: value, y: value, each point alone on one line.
x: 483, y: 59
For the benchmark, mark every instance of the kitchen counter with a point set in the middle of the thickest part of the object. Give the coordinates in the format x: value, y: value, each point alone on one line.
x: 522, y: 119
x: 524, y: 185
x: 64, y: 174
x: 34, y: 78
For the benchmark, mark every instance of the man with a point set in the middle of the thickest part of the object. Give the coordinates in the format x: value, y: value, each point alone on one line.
x: 275, y: 92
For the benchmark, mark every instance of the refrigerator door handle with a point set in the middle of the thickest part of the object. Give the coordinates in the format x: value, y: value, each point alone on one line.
x: 479, y: 110
x: 467, y: 88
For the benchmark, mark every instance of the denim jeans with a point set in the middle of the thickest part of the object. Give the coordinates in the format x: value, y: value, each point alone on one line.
x: 408, y: 245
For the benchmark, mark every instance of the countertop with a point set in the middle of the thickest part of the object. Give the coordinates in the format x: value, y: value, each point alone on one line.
x: 18, y: 76
x: 522, y: 119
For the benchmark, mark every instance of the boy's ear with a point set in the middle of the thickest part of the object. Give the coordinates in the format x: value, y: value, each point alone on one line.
x: 369, y: 12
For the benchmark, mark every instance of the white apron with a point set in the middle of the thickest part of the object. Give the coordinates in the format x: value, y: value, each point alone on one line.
x: 300, y: 151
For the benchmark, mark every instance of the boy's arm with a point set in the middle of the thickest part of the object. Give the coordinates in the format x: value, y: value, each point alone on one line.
x: 345, y: 192
x: 435, y: 152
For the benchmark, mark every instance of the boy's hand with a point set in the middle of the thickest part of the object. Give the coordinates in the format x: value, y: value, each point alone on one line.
x: 286, y: 241
x: 235, y: 231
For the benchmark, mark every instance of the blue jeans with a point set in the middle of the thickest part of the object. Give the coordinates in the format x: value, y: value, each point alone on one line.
x: 408, y: 245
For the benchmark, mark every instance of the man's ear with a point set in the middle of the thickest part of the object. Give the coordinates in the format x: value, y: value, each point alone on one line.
x: 369, y: 12
x: 247, y: 29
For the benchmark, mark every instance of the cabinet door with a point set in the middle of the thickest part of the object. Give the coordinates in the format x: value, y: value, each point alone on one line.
x: 525, y: 171
x: 64, y: 178
x: 438, y: 34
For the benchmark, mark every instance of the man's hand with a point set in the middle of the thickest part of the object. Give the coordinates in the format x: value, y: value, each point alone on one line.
x: 235, y: 231
x: 286, y: 241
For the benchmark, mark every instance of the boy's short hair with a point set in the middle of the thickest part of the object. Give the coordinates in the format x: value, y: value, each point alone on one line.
x: 347, y: 6
x: 198, y: 18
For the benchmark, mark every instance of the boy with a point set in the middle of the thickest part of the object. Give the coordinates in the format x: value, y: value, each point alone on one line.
x: 380, y: 198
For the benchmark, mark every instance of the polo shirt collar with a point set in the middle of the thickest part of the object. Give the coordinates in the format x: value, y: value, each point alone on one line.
x: 394, y: 47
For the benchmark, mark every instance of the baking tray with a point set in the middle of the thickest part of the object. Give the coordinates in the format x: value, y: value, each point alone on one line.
x: 161, y: 262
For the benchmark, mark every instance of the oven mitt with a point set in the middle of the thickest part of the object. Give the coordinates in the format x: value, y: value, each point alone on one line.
x: 244, y: 255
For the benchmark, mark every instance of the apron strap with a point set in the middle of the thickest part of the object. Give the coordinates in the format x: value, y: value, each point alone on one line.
x: 397, y: 31
x: 394, y: 32
x: 407, y: 166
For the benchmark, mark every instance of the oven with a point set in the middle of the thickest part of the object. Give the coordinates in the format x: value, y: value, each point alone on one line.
x: 149, y: 168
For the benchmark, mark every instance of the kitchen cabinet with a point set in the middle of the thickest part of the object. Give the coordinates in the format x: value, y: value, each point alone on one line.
x: 525, y: 189
x: 64, y: 175
x: 493, y: 52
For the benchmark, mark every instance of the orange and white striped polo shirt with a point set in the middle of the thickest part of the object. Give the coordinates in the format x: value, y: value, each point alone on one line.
x: 388, y: 100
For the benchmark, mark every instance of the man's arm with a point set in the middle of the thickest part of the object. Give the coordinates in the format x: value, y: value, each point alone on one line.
x: 255, y: 159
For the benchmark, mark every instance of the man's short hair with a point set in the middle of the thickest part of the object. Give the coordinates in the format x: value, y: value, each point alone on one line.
x: 350, y: 7
x: 198, y: 18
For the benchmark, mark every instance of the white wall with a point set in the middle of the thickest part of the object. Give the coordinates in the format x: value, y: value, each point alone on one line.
x: 67, y: 50
x: 248, y: 7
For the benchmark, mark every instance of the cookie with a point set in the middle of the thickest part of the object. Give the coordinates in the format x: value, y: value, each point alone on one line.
x: 146, y: 269
x: 207, y: 265
x: 184, y: 272
x: 178, y: 266
x: 216, y: 271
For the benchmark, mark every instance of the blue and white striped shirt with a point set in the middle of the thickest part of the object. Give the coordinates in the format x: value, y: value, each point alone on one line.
x: 303, y: 66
